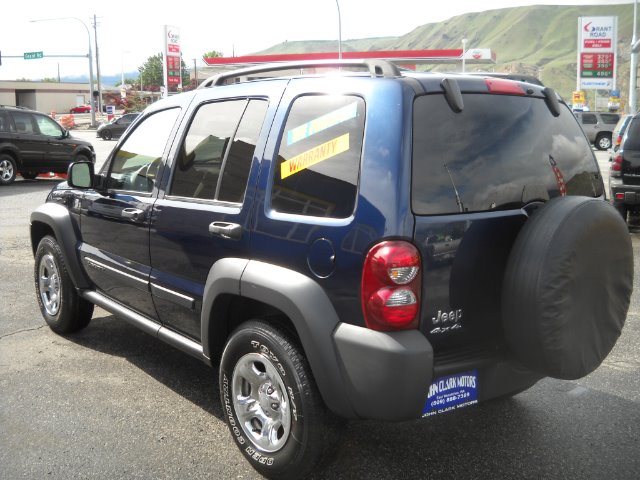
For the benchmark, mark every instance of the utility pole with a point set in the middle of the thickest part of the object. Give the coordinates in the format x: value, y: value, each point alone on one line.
x: 633, y: 64
x: 195, y: 71
x: 95, y: 36
x: 339, y: 31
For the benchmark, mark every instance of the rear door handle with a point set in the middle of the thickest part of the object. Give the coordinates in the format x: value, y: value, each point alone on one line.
x: 226, y: 230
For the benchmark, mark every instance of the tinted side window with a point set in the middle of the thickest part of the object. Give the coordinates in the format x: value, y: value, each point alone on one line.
x: 238, y: 163
x: 319, y: 157
x: 5, y: 123
x: 589, y: 119
x: 610, y: 118
x: 507, y: 152
x: 23, y: 122
x: 138, y: 159
x: 47, y: 126
x: 215, y: 157
x: 632, y: 137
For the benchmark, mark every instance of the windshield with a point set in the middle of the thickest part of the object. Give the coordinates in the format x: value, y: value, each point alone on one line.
x: 500, y: 152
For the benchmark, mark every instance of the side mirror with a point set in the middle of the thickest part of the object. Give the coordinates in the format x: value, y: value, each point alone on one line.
x: 80, y: 175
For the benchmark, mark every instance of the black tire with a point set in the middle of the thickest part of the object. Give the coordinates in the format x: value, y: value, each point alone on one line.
x: 623, y: 210
x: 28, y: 175
x: 7, y: 169
x: 567, y: 287
x: 603, y: 141
x: 106, y: 135
x: 61, y: 306
x: 263, y: 368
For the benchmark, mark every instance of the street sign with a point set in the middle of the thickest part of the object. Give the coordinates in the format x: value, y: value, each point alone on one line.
x: 597, y: 51
x: 33, y: 55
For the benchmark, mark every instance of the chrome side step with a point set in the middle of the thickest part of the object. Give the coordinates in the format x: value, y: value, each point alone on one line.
x: 148, y: 326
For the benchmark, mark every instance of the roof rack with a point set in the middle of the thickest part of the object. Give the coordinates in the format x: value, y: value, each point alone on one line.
x: 376, y: 67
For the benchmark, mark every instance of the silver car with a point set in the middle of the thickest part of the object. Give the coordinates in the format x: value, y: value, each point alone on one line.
x: 598, y: 126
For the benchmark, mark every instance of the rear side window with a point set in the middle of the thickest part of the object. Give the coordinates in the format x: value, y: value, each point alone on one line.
x: 319, y: 157
x: 500, y: 152
x: 23, y: 122
x: 632, y: 137
x: 610, y: 118
x: 5, y: 123
x: 215, y: 157
x: 589, y: 119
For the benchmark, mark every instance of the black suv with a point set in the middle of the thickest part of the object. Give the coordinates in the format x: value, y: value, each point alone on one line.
x: 624, y: 174
x: 32, y: 143
x: 284, y: 229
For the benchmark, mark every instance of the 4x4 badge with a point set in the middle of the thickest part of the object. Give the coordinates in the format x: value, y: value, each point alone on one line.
x: 447, y: 321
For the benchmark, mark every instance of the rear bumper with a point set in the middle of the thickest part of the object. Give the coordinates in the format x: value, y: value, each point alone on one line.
x: 630, y: 193
x: 387, y: 375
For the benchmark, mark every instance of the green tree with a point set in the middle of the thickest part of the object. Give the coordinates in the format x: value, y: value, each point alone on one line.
x: 50, y: 80
x: 152, y: 75
x: 212, y: 54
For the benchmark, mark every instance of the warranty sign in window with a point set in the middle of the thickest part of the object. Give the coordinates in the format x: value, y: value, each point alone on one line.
x: 315, y: 155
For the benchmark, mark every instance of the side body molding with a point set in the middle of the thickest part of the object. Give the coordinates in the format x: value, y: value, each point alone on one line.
x: 305, y: 304
x: 57, y: 218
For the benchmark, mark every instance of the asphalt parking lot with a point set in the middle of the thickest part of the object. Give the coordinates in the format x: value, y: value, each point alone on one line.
x: 113, y: 403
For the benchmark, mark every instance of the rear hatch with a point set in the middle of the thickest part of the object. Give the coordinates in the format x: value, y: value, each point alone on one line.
x: 631, y: 153
x: 476, y: 176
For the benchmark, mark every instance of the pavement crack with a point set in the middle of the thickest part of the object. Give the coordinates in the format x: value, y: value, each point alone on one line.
x: 21, y: 331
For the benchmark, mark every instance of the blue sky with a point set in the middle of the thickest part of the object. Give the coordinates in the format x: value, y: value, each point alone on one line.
x: 128, y: 33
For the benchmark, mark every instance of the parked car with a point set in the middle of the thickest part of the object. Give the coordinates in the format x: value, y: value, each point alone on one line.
x: 279, y: 229
x: 618, y: 131
x: 81, y: 109
x: 32, y: 143
x: 116, y: 127
x: 598, y: 127
x: 624, y: 175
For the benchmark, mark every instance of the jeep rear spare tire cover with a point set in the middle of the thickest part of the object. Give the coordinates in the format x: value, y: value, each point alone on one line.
x: 567, y: 287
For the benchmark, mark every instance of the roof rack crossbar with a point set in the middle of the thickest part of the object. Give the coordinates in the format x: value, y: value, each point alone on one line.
x: 376, y: 67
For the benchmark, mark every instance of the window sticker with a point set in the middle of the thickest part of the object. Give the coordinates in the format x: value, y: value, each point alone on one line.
x: 319, y: 124
x: 451, y: 392
x: 315, y: 155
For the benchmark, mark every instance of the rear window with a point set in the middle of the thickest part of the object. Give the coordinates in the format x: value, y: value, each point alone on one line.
x: 500, y: 152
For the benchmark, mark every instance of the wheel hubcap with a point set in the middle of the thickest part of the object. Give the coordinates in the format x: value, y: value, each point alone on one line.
x: 6, y: 170
x: 49, y: 284
x: 261, y: 402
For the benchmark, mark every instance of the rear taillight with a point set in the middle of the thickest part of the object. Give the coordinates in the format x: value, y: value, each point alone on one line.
x: 616, y: 166
x: 618, y: 141
x: 391, y: 282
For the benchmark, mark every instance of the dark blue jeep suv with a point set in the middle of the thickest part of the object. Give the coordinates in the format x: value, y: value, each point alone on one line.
x: 289, y: 229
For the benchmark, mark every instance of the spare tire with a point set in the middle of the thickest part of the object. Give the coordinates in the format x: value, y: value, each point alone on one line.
x: 567, y: 287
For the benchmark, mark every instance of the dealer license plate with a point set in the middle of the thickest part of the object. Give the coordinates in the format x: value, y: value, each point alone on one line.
x: 452, y: 392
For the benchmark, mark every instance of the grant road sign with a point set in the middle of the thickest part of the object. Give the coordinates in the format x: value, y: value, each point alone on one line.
x: 33, y: 55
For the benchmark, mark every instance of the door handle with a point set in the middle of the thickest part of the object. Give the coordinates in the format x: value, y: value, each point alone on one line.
x: 226, y: 230
x: 134, y: 214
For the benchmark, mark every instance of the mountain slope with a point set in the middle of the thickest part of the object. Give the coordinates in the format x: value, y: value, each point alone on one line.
x: 539, y: 40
